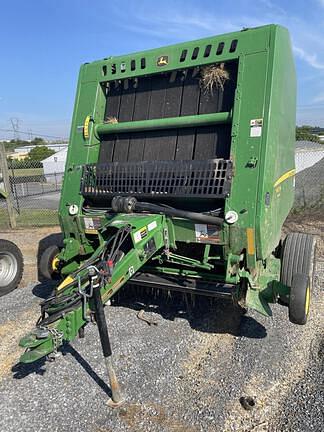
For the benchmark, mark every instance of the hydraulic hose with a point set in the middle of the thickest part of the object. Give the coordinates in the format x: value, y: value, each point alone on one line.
x: 197, y: 217
x: 130, y: 204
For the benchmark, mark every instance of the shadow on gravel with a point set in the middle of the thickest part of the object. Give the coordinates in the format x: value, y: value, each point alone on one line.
x: 251, y: 328
x: 44, y: 290
x: 68, y: 349
x: 203, y: 314
x: 21, y: 370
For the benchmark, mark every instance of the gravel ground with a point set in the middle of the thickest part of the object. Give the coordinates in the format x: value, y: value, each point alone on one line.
x: 185, y: 374
x: 310, y: 186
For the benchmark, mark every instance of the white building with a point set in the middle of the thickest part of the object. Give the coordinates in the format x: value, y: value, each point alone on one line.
x: 321, y: 138
x: 54, y: 166
x: 56, y: 147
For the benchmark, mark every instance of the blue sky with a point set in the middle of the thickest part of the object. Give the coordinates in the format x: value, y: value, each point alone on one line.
x: 45, y: 41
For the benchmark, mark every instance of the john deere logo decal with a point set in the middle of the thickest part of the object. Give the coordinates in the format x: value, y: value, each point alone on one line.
x: 163, y: 60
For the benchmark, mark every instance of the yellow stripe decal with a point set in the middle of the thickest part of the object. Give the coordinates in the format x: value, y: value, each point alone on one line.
x: 66, y: 282
x: 86, y: 127
x: 250, y: 241
x: 284, y: 177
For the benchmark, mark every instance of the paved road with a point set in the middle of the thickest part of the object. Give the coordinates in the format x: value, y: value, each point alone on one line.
x: 35, y: 188
x: 46, y: 201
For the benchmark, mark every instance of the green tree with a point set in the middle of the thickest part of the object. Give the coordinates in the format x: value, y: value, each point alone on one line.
x: 12, y: 144
x: 38, y: 141
x: 303, y: 133
x: 40, y: 152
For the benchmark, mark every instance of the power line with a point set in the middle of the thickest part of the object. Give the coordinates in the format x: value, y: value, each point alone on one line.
x: 34, y: 134
x: 318, y: 105
x: 15, y: 127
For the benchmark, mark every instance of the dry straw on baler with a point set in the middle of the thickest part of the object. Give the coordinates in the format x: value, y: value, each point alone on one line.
x: 213, y: 77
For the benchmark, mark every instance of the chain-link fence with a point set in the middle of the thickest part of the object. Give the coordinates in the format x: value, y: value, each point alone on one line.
x: 35, y: 191
x: 309, y: 185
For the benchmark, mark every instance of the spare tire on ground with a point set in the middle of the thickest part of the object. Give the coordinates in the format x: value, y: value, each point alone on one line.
x: 11, y: 266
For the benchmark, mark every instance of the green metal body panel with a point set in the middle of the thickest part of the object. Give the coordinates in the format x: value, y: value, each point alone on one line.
x: 262, y: 128
x: 265, y: 90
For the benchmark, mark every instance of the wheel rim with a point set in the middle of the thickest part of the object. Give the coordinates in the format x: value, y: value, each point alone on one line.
x: 55, y: 263
x: 8, y: 268
x: 307, y: 300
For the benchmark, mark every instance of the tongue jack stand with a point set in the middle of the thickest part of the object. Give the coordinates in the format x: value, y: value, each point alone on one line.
x: 117, y: 398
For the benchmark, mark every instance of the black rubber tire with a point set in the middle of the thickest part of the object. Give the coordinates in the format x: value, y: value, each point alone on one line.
x: 45, y: 268
x: 298, y: 255
x: 8, y: 247
x: 299, y: 299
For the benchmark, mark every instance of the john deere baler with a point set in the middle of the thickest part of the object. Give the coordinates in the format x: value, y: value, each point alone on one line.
x: 179, y: 176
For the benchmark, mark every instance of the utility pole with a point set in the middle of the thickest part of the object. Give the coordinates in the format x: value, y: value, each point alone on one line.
x: 7, y: 187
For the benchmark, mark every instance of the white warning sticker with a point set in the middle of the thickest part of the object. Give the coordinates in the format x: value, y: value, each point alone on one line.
x: 256, y: 127
x: 137, y: 237
x: 89, y: 223
x: 151, y: 226
x: 131, y: 271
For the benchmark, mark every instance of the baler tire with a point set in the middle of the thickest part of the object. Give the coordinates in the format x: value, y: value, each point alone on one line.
x: 299, y: 299
x: 12, y: 258
x: 45, y: 266
x: 298, y: 255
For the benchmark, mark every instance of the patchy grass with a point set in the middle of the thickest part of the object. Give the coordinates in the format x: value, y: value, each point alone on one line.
x: 26, y: 172
x: 30, y: 217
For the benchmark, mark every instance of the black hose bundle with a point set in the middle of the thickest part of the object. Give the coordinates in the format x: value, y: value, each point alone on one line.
x: 121, y: 204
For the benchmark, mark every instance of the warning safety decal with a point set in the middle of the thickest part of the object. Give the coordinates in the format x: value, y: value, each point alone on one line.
x: 207, y: 233
x: 91, y: 225
x: 256, y: 127
x: 140, y: 234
